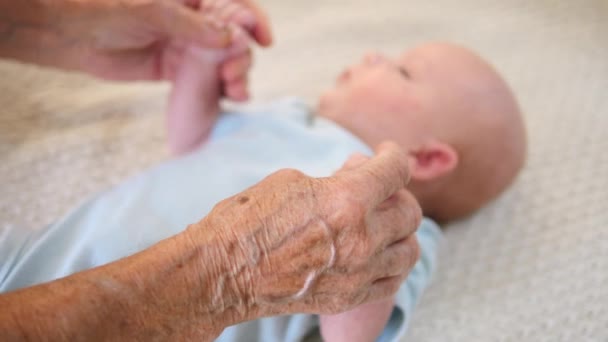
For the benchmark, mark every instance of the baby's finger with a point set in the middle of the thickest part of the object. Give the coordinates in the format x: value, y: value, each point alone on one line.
x: 241, y: 42
x: 236, y: 67
x: 230, y: 11
x: 244, y: 13
x: 237, y: 90
x: 241, y: 16
x: 262, y: 31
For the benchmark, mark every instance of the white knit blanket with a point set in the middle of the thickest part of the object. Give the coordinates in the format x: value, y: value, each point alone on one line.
x: 533, y: 266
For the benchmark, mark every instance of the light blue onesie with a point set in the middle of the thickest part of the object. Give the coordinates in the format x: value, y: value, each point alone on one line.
x: 243, y: 149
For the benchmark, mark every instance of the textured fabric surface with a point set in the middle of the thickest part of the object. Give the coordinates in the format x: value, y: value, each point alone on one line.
x: 532, y: 266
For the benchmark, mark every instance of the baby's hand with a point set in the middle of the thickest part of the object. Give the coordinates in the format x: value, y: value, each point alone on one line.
x: 205, y: 75
x: 234, y: 63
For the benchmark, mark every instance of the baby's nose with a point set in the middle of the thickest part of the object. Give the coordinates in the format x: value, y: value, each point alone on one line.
x: 373, y: 58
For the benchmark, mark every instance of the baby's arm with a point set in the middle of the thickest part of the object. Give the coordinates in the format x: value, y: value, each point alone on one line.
x: 364, y: 323
x: 194, y: 101
x: 204, y: 76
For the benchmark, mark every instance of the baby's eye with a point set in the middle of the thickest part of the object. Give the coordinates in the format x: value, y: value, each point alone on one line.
x: 403, y: 72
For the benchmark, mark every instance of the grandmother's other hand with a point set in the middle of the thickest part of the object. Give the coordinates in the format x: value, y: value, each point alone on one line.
x: 117, y: 39
x: 293, y: 243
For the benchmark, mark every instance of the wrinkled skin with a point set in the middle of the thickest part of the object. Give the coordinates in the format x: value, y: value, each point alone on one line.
x: 289, y: 241
x: 289, y: 244
x: 115, y: 39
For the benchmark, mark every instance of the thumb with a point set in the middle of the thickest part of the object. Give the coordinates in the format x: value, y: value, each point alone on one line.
x: 354, y: 161
x: 376, y: 179
x: 183, y: 23
x: 261, y: 30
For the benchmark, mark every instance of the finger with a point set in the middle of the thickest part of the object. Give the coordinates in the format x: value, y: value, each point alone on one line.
x: 238, y: 14
x: 206, y: 5
x: 183, y: 23
x: 238, y: 90
x: 396, y: 221
x: 236, y: 68
x: 384, y: 288
x: 378, y: 178
x: 353, y: 161
x: 397, y: 259
x: 212, y: 6
x: 230, y: 11
x: 245, y: 19
x: 241, y: 42
x: 262, y: 31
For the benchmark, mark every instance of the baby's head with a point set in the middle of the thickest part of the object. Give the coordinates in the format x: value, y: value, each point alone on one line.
x: 452, y: 113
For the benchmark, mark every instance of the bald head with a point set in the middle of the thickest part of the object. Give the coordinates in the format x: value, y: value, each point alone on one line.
x: 472, y: 109
x: 450, y: 111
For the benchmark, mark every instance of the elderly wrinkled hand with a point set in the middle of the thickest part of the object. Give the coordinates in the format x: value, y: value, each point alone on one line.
x: 289, y: 244
x: 294, y: 243
x: 115, y: 39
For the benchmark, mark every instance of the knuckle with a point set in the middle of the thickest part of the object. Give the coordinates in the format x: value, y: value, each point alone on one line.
x: 343, y: 210
x: 351, y: 296
x: 290, y: 175
x: 225, y: 204
x: 393, y: 285
x: 410, y: 208
x: 350, y: 288
x: 392, y: 264
x: 350, y: 209
x: 341, y: 304
x: 355, y: 251
x: 364, y: 250
x: 285, y: 181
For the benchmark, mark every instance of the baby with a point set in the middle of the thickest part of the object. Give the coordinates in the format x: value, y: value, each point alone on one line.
x: 457, y: 120
x: 453, y: 114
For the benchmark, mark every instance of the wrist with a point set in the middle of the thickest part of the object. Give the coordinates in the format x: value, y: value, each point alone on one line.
x: 222, y: 273
x: 171, y: 294
x: 153, y: 294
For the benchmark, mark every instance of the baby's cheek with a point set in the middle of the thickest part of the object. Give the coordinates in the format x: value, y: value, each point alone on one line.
x: 364, y: 97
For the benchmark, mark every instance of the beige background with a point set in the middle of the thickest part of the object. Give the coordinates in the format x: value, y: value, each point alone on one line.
x: 533, y: 266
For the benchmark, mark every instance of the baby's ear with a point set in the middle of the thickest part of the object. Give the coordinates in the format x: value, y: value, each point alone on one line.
x: 432, y: 160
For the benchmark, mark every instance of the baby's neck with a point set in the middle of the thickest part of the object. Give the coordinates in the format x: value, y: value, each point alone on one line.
x: 365, y: 139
